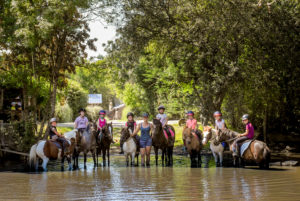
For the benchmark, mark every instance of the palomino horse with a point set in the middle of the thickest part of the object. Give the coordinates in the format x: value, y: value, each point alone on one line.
x: 193, y: 145
x: 163, y: 142
x: 47, y: 150
x: 257, y: 151
x: 85, y: 142
x: 130, y: 147
x: 217, y: 149
x: 104, y: 141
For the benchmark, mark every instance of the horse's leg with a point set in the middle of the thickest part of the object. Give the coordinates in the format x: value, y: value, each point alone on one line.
x: 108, y: 157
x: 156, y: 155
x: 192, y: 159
x: 62, y: 163
x: 221, y: 158
x: 45, y: 162
x: 133, y: 159
x: 216, y: 158
x: 127, y: 159
x: 94, y: 157
x: 37, y: 164
x: 137, y: 159
x: 163, y: 152
x: 199, y: 159
x: 103, y: 156
x: 84, y: 156
x: 77, y: 163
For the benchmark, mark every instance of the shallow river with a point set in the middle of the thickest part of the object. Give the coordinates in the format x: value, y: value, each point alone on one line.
x: 155, y: 183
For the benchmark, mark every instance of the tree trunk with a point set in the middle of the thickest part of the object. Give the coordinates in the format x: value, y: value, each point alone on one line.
x: 1, y: 98
x: 265, y: 124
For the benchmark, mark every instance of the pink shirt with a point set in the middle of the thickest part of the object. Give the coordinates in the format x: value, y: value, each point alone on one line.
x: 102, y: 123
x: 191, y: 123
x: 251, y: 130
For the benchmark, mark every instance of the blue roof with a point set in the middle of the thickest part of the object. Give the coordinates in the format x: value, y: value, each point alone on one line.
x: 95, y: 99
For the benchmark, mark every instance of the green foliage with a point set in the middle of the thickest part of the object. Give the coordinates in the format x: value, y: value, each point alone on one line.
x: 64, y: 113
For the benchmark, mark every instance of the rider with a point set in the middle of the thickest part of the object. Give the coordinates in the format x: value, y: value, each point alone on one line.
x: 101, y: 123
x: 81, y: 122
x: 162, y: 117
x: 145, y: 140
x: 55, y: 136
x: 219, y: 123
x: 192, y: 123
x: 249, y: 134
x: 130, y: 124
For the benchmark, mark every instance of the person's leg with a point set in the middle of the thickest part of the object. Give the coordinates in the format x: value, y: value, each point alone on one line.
x: 235, y: 144
x: 148, y: 150
x: 142, y: 150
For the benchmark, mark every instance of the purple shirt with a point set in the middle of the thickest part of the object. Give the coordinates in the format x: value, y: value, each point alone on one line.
x: 81, y: 122
x: 251, y: 130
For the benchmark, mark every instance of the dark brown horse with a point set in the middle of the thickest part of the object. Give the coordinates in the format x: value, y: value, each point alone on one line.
x: 85, y: 142
x: 257, y: 151
x: 160, y: 141
x: 104, y: 141
x: 193, y: 145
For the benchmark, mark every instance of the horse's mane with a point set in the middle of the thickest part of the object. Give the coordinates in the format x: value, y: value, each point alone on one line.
x: 157, y: 122
x: 228, y: 132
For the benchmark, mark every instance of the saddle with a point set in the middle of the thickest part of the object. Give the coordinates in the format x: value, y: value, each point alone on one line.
x: 243, y: 146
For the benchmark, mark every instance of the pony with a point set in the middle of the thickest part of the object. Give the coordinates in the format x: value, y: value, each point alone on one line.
x: 193, y: 145
x: 165, y: 143
x: 216, y: 147
x: 257, y: 151
x: 85, y: 142
x: 130, y: 147
x: 104, y: 141
x: 47, y: 150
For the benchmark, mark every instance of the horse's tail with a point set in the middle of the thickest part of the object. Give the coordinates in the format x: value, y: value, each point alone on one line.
x: 267, y: 156
x: 32, y: 156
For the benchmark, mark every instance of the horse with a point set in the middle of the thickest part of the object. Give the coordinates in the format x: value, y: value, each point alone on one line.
x: 193, y: 145
x: 217, y: 149
x: 130, y: 147
x: 47, y: 150
x: 162, y: 141
x: 103, y: 142
x: 257, y: 151
x: 85, y: 142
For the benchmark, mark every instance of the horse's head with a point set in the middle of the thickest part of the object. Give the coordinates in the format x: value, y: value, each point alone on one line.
x: 70, y: 149
x: 157, y: 127
x: 126, y: 132
x: 108, y: 130
x: 187, y: 133
x: 207, y: 134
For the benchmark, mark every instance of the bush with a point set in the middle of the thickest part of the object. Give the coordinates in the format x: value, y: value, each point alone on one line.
x: 64, y: 113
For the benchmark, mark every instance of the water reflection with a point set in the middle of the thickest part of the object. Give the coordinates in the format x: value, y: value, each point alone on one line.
x: 154, y: 183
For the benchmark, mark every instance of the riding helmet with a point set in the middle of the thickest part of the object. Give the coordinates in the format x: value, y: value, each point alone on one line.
x: 217, y: 113
x: 190, y: 113
x: 145, y: 114
x: 102, y: 112
x: 161, y: 107
x: 53, y: 120
x: 245, y: 117
x: 130, y: 114
x: 82, y: 110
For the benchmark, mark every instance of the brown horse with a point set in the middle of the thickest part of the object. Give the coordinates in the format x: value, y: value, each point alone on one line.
x: 104, y: 141
x: 47, y: 150
x: 257, y: 151
x: 193, y: 145
x: 86, y: 142
x: 160, y: 141
x: 131, y: 146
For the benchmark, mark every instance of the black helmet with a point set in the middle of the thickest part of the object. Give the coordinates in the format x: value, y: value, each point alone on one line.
x: 161, y: 107
x: 82, y: 110
x: 245, y: 117
x: 130, y: 114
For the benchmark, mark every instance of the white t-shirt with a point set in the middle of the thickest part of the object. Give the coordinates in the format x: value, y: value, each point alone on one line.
x: 162, y: 118
x: 220, y: 124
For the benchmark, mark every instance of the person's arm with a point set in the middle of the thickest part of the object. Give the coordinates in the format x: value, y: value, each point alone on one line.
x: 244, y: 134
x: 98, y: 126
x: 223, y: 124
x: 87, y: 122
x: 136, y: 131
x: 166, y: 122
x: 55, y: 131
x: 151, y: 128
x: 75, y: 123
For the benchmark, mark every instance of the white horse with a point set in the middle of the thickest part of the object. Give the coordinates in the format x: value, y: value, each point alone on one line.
x: 217, y: 149
x: 129, y: 147
x: 46, y: 150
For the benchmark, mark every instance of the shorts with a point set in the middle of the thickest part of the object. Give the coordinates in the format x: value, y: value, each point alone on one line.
x: 146, y: 142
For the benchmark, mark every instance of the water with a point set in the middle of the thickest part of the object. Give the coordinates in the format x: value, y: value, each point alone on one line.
x: 181, y: 182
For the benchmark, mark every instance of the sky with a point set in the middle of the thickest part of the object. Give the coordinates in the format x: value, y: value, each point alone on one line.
x: 103, y: 33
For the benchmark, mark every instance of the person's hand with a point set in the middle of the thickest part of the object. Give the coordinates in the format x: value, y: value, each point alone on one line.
x: 239, y: 135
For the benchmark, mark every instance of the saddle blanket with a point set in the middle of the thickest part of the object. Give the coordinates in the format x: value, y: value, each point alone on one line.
x: 245, y: 146
x: 57, y: 144
x: 166, y: 134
